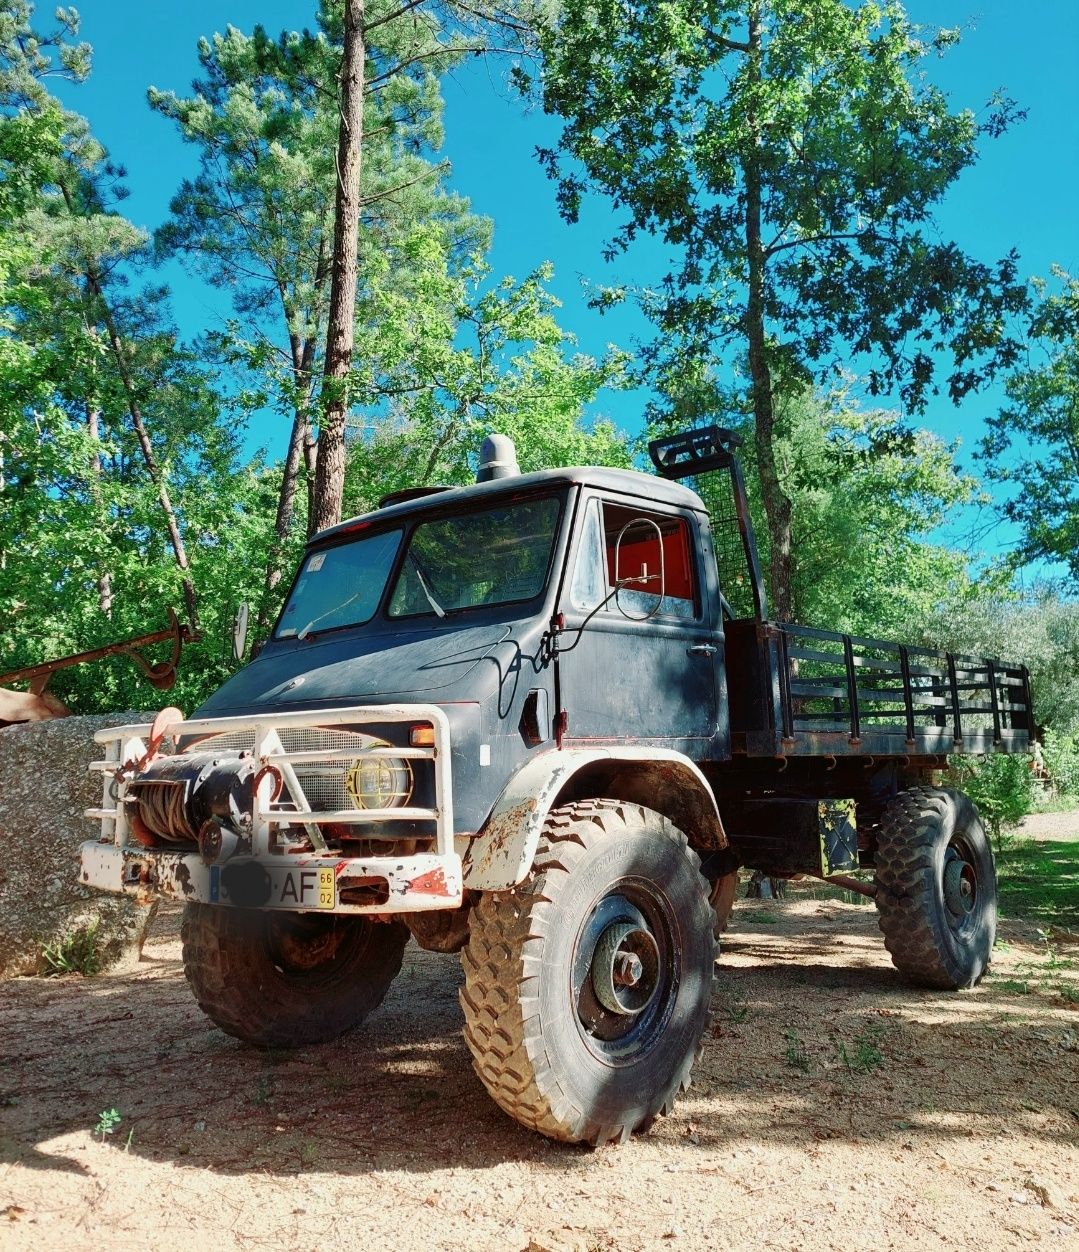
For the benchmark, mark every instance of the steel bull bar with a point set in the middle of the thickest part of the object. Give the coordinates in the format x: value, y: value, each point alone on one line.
x: 264, y: 872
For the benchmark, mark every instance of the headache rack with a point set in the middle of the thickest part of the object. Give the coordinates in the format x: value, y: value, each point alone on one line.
x: 795, y: 690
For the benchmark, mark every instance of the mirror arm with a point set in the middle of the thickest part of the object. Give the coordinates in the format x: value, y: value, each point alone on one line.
x: 556, y: 630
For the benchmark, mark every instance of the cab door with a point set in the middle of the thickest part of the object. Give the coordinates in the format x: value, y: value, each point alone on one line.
x: 641, y: 653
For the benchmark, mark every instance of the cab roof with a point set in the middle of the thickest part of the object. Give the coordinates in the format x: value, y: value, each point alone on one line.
x: 647, y: 487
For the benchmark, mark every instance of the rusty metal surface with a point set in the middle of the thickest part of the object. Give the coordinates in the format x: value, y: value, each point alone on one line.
x: 160, y: 674
x: 501, y: 854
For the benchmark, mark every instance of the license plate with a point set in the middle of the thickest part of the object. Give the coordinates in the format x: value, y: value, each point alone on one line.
x: 291, y: 887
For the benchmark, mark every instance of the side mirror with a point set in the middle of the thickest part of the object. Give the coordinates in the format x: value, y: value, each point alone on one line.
x: 634, y: 552
x: 239, y: 631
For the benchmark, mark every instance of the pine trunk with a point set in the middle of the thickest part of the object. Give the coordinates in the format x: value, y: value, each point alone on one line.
x: 104, y: 578
x: 777, y: 505
x: 330, y: 467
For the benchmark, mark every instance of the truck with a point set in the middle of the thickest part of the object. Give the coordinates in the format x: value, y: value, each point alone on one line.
x: 544, y: 720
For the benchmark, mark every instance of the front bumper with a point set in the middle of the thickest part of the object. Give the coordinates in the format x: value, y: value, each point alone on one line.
x: 311, y: 878
x: 310, y: 883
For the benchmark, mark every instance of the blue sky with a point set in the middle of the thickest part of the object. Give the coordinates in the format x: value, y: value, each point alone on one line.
x: 1023, y: 193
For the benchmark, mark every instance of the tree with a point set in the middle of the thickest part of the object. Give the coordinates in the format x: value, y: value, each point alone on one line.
x: 410, y: 37
x: 258, y: 220
x: 89, y: 368
x: 1039, y: 628
x: 1033, y: 443
x: 869, y: 495
x: 790, y: 154
x: 77, y: 230
x: 462, y: 361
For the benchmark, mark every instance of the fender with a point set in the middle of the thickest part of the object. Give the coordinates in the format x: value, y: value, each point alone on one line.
x: 501, y: 854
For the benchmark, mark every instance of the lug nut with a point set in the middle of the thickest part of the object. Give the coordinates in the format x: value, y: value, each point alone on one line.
x: 627, y: 969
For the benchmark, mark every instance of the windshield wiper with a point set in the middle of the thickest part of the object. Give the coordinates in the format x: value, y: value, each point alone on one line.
x: 302, y: 634
x: 423, y: 585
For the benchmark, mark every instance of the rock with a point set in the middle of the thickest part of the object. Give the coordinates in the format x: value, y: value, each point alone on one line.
x: 44, y: 788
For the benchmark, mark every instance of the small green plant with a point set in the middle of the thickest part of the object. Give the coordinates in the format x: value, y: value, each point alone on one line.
x: 77, y: 953
x: 865, y: 1055
x: 737, y: 1009
x: 264, y: 1089
x: 1016, y: 986
x: 797, y: 1057
x: 1002, y: 786
x: 107, y: 1121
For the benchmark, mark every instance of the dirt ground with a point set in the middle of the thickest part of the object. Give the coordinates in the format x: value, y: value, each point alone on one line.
x: 833, y: 1107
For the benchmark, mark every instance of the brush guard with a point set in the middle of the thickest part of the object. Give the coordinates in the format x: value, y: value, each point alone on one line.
x: 248, y: 863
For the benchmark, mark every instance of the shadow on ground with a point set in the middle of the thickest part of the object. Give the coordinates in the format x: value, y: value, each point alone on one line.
x: 813, y: 1038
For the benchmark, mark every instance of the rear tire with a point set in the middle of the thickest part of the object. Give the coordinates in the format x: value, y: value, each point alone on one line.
x: 281, y: 979
x: 587, y: 988
x: 937, y: 899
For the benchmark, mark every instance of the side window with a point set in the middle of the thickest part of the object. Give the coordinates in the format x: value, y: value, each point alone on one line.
x: 589, y: 584
x: 656, y: 549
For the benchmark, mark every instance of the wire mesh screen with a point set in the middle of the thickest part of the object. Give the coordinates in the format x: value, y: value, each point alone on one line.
x: 734, y: 581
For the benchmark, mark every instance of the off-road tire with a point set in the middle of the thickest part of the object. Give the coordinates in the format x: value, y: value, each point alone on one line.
x: 525, y: 1001
x: 280, y: 979
x: 934, y: 942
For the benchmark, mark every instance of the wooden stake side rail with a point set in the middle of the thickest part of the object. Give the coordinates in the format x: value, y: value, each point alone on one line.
x: 797, y: 690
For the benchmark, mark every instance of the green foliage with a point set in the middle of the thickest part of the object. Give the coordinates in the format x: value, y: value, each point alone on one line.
x: 686, y: 116
x: 494, y: 361
x: 443, y: 354
x: 868, y: 495
x: 790, y: 154
x: 1039, y: 629
x: 1060, y: 754
x: 1001, y: 785
x: 85, y: 558
x: 1031, y: 445
x: 77, y: 953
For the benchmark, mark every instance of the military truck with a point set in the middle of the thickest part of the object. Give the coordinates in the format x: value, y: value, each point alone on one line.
x: 544, y: 720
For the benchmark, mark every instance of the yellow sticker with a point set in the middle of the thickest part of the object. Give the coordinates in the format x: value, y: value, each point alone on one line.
x: 325, y: 889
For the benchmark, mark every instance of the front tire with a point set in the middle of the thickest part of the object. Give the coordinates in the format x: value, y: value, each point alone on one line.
x: 937, y: 894
x: 282, y: 979
x: 587, y: 988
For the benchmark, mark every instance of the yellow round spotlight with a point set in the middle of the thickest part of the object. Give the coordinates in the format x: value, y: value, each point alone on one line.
x: 379, y: 782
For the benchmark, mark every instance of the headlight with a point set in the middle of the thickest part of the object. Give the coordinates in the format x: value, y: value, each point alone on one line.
x: 379, y: 782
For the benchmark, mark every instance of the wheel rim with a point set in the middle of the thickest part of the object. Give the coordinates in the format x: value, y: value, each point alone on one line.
x: 625, y: 972
x: 959, y: 883
x: 311, y: 950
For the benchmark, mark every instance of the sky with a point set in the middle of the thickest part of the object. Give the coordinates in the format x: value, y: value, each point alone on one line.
x: 1023, y: 192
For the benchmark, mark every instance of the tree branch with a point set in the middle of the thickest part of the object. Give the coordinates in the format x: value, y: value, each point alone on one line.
x: 390, y: 17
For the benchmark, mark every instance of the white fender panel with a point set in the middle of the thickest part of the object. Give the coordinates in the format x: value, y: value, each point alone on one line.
x: 501, y: 854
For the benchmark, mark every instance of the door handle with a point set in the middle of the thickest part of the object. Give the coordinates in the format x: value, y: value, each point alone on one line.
x: 702, y: 649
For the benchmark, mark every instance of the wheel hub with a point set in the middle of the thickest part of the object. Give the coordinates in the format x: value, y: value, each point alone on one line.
x: 625, y: 968
x: 960, y: 887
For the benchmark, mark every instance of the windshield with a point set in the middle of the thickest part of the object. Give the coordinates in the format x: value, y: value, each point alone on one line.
x: 494, y: 556
x: 339, y: 586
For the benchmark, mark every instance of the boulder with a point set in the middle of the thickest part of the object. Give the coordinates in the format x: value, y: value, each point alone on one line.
x: 44, y: 788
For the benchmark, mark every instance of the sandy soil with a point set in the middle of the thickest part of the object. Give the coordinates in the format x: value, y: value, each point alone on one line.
x: 833, y: 1107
